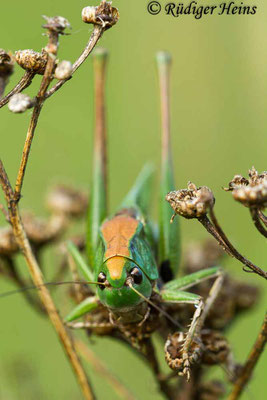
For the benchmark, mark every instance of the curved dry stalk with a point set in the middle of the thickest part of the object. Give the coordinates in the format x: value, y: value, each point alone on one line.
x: 262, y: 217
x: 38, y: 280
x: 251, y: 362
x: 94, y: 38
x: 257, y: 222
x: 232, y: 249
x: 101, y: 369
x: 24, y: 82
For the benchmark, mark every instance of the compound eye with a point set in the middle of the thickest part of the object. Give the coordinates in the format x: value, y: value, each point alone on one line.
x: 101, y: 279
x: 137, y: 275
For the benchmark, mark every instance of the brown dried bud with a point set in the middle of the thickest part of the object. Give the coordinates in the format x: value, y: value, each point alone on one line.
x: 250, y: 192
x: 6, y: 64
x: 20, y: 102
x: 63, y: 70
x: 57, y: 24
x: 103, y: 15
x: 41, y: 231
x: 192, y: 202
x: 216, y: 348
x: 8, y: 244
x: 32, y: 61
x: 67, y: 200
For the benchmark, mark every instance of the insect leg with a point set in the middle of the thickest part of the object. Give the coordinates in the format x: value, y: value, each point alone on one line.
x: 202, y: 308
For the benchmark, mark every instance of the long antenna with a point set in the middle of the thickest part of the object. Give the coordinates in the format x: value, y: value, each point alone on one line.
x: 11, y: 292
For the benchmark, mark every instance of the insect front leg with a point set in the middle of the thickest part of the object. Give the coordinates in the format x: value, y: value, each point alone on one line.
x: 189, y: 343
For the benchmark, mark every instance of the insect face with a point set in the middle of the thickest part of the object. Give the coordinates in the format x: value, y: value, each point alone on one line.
x: 116, y: 292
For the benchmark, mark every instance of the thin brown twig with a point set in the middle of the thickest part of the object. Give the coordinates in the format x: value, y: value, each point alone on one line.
x: 94, y: 38
x: 103, y: 370
x: 24, y: 82
x: 232, y: 249
x: 52, y: 52
x: 251, y: 362
x: 262, y: 217
x: 257, y: 221
x: 12, y: 198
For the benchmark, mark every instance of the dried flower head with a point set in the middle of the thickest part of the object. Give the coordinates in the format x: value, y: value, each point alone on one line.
x: 216, y: 348
x: 250, y: 192
x: 104, y: 15
x: 67, y: 200
x: 57, y: 24
x: 192, y: 202
x: 6, y: 64
x: 41, y: 231
x: 63, y: 70
x: 31, y: 60
x: 19, y: 103
x: 174, y: 354
x: 8, y: 244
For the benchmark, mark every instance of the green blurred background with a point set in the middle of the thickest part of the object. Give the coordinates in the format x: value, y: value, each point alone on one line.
x: 219, y: 100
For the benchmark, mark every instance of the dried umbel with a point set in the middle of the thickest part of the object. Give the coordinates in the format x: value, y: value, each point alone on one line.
x: 32, y: 61
x: 210, y: 348
x: 250, y: 192
x: 19, y: 103
x: 6, y: 64
x: 174, y: 354
x: 63, y: 70
x: 216, y: 348
x: 67, y: 200
x: 8, y: 244
x: 192, y: 202
x: 104, y: 15
x: 57, y: 24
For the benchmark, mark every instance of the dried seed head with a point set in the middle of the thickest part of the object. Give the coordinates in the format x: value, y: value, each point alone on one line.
x: 192, y: 202
x: 63, y: 70
x: 174, y: 353
x: 6, y: 64
x: 216, y: 348
x: 32, y: 61
x: 104, y: 15
x: 250, y: 192
x: 19, y: 103
x: 8, y: 244
x: 67, y: 200
x: 41, y: 231
x: 57, y: 24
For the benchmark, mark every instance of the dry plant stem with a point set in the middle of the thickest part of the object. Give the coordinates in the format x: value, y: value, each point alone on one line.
x: 210, y: 228
x: 38, y: 280
x: 262, y: 217
x: 251, y: 362
x: 95, y: 36
x: 25, y: 81
x: 257, y: 222
x: 233, y: 250
x: 19, y: 232
x: 52, y: 52
x: 101, y: 369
